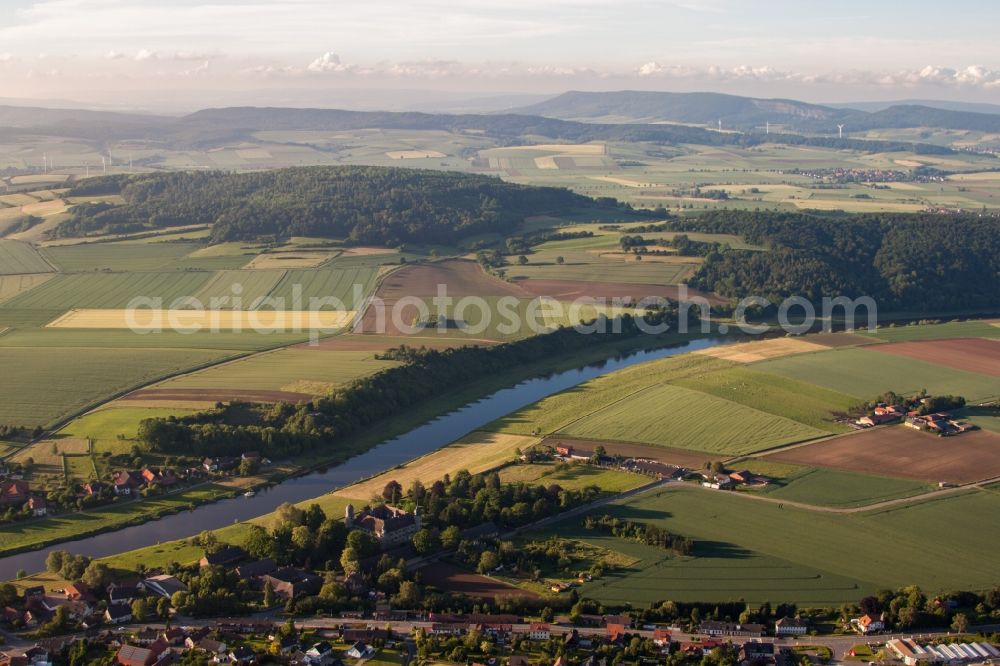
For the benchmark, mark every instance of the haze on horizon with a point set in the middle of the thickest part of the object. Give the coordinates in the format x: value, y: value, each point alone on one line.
x: 178, y: 55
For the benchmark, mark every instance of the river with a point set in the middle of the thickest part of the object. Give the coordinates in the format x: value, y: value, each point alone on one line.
x: 421, y: 440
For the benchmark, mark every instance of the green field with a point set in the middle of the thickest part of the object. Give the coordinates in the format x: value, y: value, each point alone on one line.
x: 107, y: 425
x: 758, y: 551
x: 17, y: 258
x: 573, y: 477
x: 680, y: 418
x: 107, y: 290
x: 551, y: 414
x: 120, y: 257
x: 251, y: 286
x: 294, y: 369
x: 957, y: 329
x: 349, y: 285
x: 865, y: 373
x: 44, y: 385
x: 806, y: 403
x: 834, y: 488
x: 21, y: 536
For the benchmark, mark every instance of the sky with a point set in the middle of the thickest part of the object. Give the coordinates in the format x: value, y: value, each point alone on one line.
x: 185, y: 54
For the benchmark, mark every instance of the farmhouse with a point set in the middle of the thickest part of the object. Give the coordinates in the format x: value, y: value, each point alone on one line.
x: 866, y: 624
x: 126, y: 482
x: 14, y: 492
x: 941, y: 424
x: 290, y: 582
x: 388, y: 524
x: 719, y: 482
x: 538, y: 631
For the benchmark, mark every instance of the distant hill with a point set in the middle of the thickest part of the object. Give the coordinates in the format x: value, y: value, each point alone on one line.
x: 750, y: 113
x: 871, y: 107
x: 694, y: 108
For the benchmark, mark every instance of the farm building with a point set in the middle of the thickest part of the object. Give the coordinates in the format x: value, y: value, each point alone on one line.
x: 790, y: 626
x: 14, y: 492
x: 716, y: 628
x: 389, y: 524
x: 913, y: 653
x: 866, y: 624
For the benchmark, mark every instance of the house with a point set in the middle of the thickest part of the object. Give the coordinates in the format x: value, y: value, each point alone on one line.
x: 211, y: 646
x: 252, y: 456
x: 539, y: 631
x: 160, y: 477
x: 289, y: 644
x: 289, y: 582
x: 390, y: 525
x: 360, y: 650
x: 716, y: 628
x: 564, y: 450
x: 791, y: 626
x: 123, y: 593
x: 146, y: 636
x: 93, y: 488
x: 242, y: 655
x: 220, y: 464
x: 251, y: 570
x: 118, y: 614
x: 866, y: 624
x: 133, y: 655
x: 224, y: 556
x: 127, y: 482
x: 661, y: 637
x: 756, y: 652
x: 614, y: 631
x: 33, y: 593
x: 14, y: 492
x: 164, y: 585
x: 319, y: 651
x: 174, y: 636
x: 38, y: 506
x: 718, y: 482
x: 624, y: 620
x: 79, y: 592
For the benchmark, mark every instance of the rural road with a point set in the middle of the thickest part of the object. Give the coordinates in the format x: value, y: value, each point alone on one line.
x: 861, y: 509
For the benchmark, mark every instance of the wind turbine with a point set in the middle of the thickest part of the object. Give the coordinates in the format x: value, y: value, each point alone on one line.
x: 104, y: 165
x: 767, y: 127
x: 840, y: 129
x: 720, y: 124
x: 45, y: 163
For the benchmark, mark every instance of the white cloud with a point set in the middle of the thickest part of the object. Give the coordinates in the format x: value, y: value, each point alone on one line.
x: 114, y: 55
x: 145, y: 54
x: 329, y: 62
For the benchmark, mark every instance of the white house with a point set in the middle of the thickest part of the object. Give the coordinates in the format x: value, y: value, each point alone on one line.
x: 790, y: 626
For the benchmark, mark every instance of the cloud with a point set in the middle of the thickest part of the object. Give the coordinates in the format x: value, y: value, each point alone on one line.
x: 145, y: 54
x: 329, y: 62
x: 114, y: 55
x: 6, y: 57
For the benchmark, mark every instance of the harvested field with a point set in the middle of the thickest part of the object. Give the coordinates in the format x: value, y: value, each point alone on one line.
x: 223, y: 320
x: 212, y: 395
x: 906, y: 453
x: 663, y: 454
x: 271, y: 260
x: 461, y: 278
x: 761, y: 350
x: 365, y: 251
x: 451, y: 578
x: 971, y: 354
x: 559, y: 148
x: 564, y: 290
x: 834, y: 340
x: 476, y: 452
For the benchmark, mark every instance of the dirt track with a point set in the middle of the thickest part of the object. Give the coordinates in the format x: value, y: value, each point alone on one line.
x: 216, y: 394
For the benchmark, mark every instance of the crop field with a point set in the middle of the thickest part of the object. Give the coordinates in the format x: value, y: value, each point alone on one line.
x: 573, y: 477
x: 761, y: 350
x: 297, y: 259
x: 570, y: 290
x: 45, y: 384
x: 806, y: 403
x: 249, y: 287
x: 14, y: 285
x: 298, y: 370
x: 476, y: 452
x: 350, y: 286
x: 681, y: 418
x: 956, y: 329
x: 760, y: 551
x: 118, y: 256
x: 900, y: 451
x: 969, y: 354
x: 263, y: 321
x: 555, y: 413
x: 866, y: 373
x: 107, y: 425
x: 17, y: 258
x: 835, y: 488
x: 107, y: 290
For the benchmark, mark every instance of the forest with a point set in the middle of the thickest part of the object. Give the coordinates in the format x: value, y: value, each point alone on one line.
x: 378, y: 205
x: 917, y: 262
